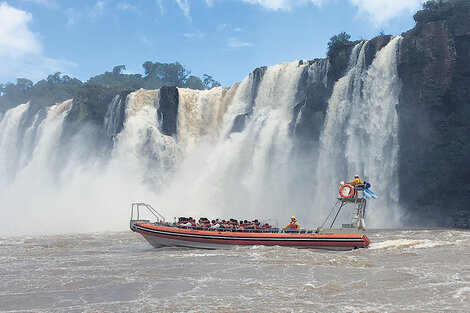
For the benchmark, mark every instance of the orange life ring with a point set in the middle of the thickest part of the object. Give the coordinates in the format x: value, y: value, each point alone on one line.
x: 346, y: 191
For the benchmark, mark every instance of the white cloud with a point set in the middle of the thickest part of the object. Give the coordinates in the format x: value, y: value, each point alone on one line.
x: 34, y: 67
x: 161, y: 7
x: 194, y: 35
x: 46, y: 3
x: 97, y: 10
x: 145, y: 41
x: 88, y: 13
x: 377, y: 11
x: 99, y: 5
x: 381, y: 11
x: 222, y: 26
x: 184, y: 6
x: 236, y: 43
x: 124, y: 6
x: 21, y: 50
x: 283, y: 4
x: 16, y: 39
x: 72, y: 16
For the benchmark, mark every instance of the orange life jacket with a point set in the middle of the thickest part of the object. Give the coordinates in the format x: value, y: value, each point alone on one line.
x: 293, y: 226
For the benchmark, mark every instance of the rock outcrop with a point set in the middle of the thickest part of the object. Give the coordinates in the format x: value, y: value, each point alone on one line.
x: 434, y: 111
x: 168, y: 110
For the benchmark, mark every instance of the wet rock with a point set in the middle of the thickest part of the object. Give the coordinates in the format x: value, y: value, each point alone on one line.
x: 374, y: 45
x: 238, y: 123
x: 168, y: 110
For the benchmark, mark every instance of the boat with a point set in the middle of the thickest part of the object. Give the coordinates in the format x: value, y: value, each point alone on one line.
x: 161, y: 233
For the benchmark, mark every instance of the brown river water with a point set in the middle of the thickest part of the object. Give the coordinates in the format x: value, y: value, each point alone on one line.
x: 402, y: 271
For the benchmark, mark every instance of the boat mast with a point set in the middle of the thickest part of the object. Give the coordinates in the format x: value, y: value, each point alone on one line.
x: 360, y: 202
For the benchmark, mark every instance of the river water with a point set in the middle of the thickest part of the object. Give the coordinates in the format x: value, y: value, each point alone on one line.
x: 402, y: 271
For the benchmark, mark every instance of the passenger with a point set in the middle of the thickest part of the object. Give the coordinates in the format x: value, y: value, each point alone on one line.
x: 233, y: 223
x: 257, y: 224
x: 214, y: 225
x: 202, y: 222
x: 356, y: 181
x: 240, y: 226
x: 266, y: 226
x: 184, y: 223
x: 293, y: 225
x: 192, y: 221
x: 228, y: 225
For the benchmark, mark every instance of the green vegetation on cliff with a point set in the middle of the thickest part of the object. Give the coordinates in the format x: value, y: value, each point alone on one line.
x: 339, y: 49
x: 58, y: 87
x: 456, y: 12
x: 55, y: 88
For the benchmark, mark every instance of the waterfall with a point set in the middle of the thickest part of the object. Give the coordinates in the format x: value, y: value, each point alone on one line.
x: 225, y: 172
x: 361, y: 132
x: 234, y: 153
x: 112, y: 117
x: 10, y: 141
x: 141, y: 150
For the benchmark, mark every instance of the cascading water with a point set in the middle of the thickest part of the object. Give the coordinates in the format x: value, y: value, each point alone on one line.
x: 361, y: 132
x: 247, y: 170
x: 9, y: 148
x: 233, y: 155
x: 111, y: 119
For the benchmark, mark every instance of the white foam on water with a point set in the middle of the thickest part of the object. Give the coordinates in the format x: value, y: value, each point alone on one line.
x: 407, y: 244
x: 462, y: 293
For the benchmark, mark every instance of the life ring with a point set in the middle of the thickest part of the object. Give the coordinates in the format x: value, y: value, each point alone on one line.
x: 346, y: 191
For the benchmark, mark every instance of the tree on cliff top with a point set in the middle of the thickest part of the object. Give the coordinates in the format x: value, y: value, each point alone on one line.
x: 338, y: 40
x: 338, y: 53
x: 454, y: 11
x: 174, y: 74
x: 56, y: 88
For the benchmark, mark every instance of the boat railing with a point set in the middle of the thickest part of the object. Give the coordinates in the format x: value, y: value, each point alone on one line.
x: 136, y: 214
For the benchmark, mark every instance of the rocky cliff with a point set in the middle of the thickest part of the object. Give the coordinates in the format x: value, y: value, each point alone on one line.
x: 434, y: 110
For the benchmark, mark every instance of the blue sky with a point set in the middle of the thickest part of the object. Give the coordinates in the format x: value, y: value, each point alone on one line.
x: 223, y: 38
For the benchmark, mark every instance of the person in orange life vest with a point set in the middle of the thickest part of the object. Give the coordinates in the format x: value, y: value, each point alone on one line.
x: 293, y: 225
x: 356, y: 181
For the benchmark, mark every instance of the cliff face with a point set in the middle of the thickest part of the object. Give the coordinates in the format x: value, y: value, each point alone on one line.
x: 434, y: 111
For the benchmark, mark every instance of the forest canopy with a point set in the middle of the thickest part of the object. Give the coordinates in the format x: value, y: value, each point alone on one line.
x: 454, y: 11
x: 58, y: 87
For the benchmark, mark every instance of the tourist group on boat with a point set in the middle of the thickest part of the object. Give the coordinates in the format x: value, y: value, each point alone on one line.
x: 221, y: 224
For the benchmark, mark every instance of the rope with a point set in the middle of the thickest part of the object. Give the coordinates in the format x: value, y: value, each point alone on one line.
x: 330, y: 213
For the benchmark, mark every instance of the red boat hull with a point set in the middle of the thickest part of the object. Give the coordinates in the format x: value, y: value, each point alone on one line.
x: 159, y: 236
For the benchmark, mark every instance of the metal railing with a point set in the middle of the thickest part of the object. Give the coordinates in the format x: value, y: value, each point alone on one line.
x: 135, y: 212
